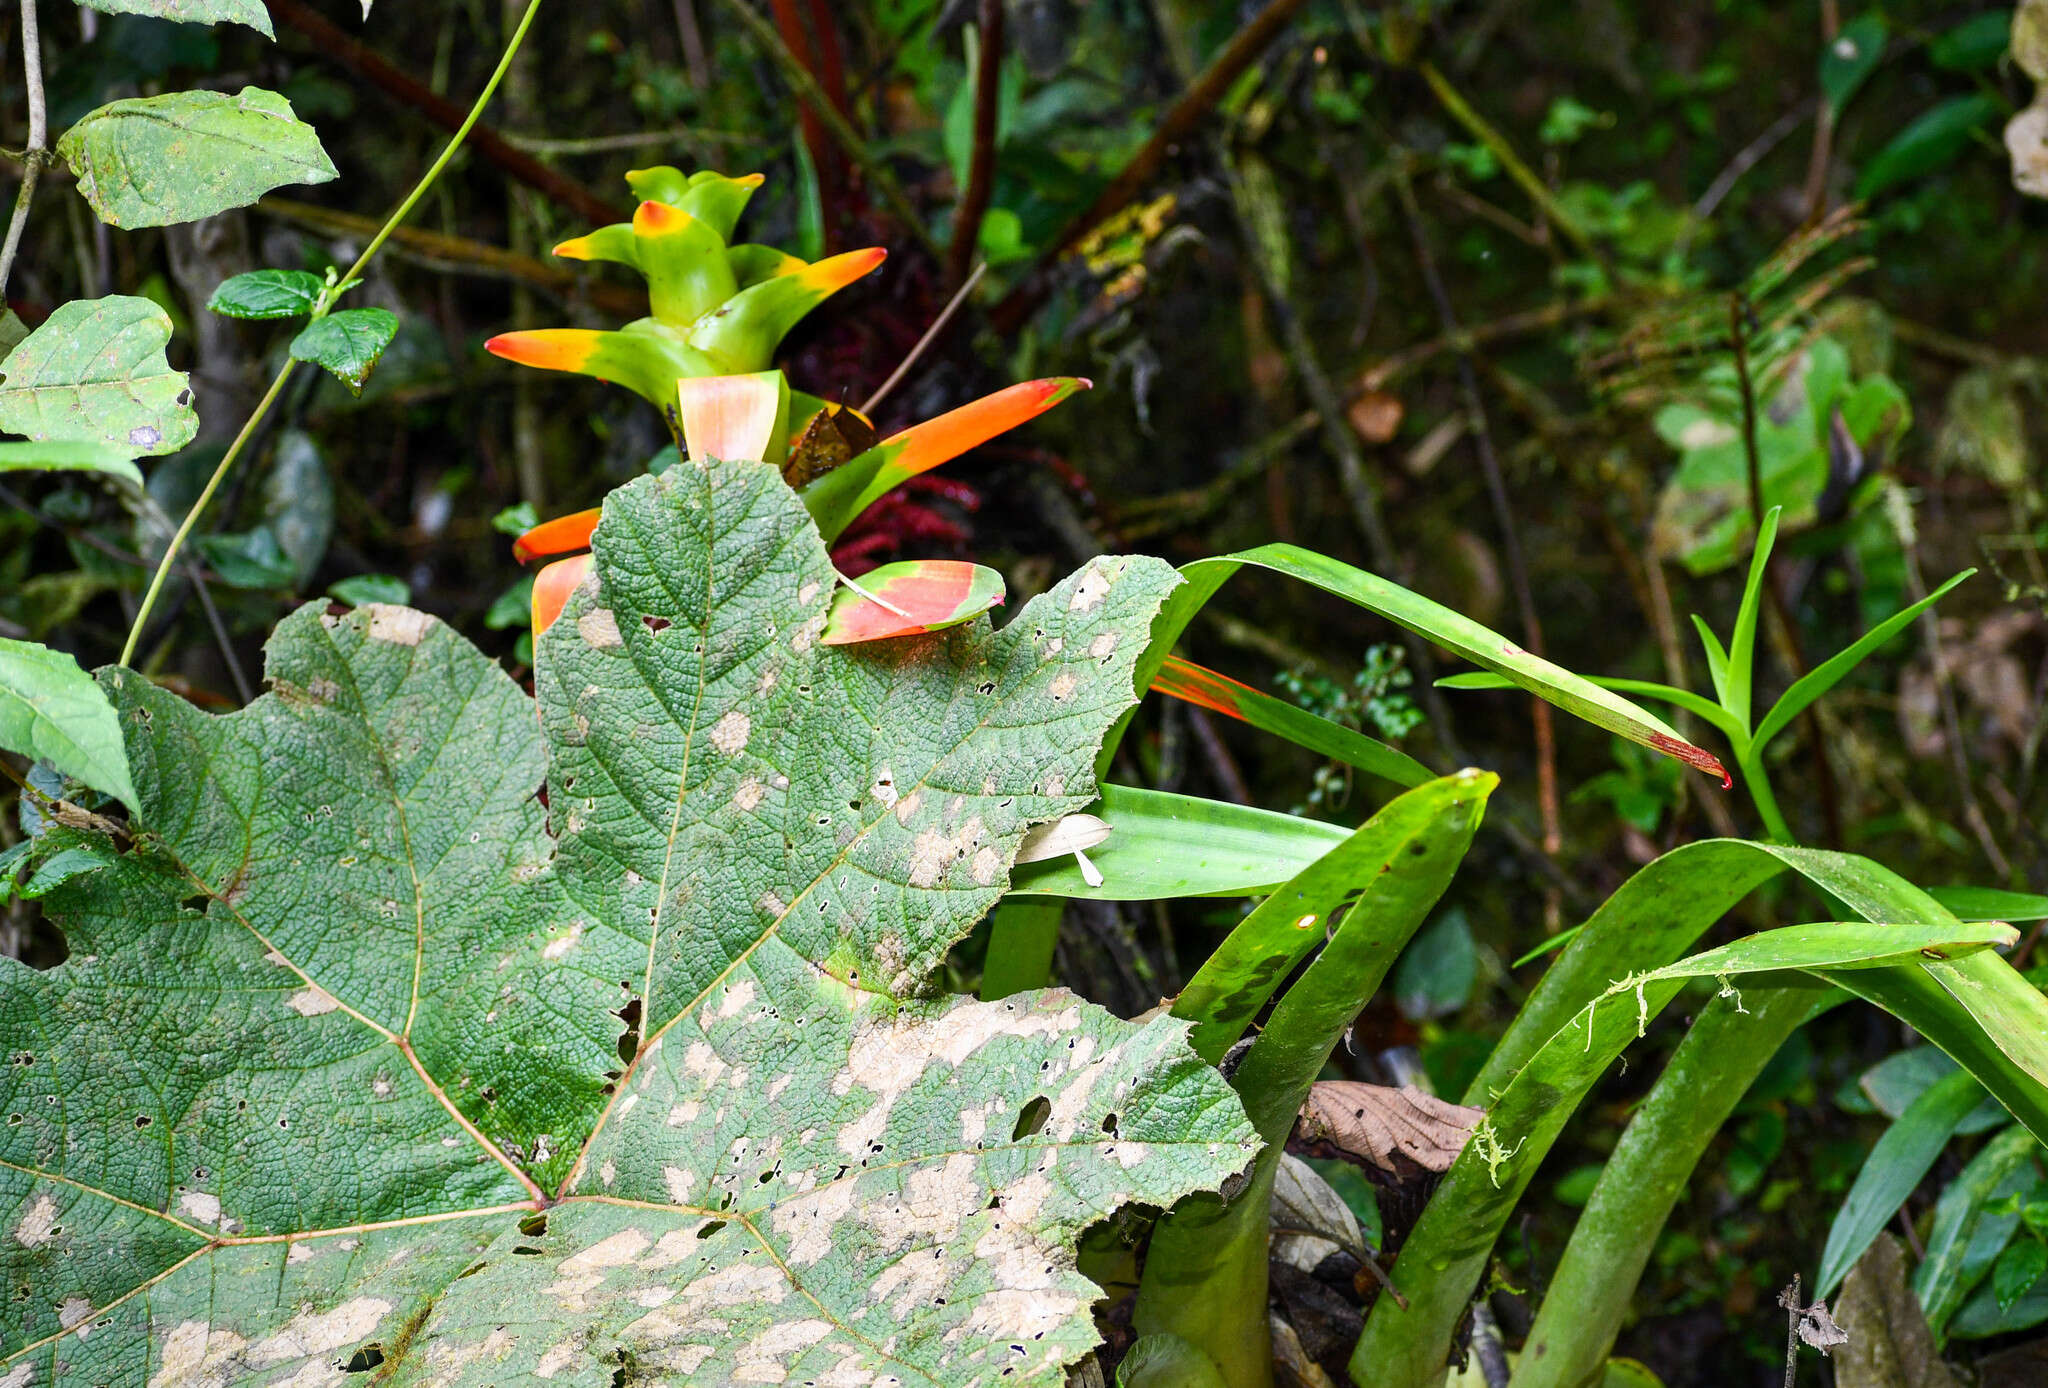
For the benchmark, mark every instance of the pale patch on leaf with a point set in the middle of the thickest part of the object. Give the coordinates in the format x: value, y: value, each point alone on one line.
x: 781, y: 1181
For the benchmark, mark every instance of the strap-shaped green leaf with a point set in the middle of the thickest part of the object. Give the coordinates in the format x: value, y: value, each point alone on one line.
x: 1573, y: 1026
x: 352, y: 1051
x: 1436, y: 623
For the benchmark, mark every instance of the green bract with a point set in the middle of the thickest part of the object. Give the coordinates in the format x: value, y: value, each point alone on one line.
x: 360, y: 1048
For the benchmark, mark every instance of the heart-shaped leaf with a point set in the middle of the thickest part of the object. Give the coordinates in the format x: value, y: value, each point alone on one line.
x: 349, y: 1052
x: 348, y: 343
x: 95, y: 372
x: 249, y: 12
x: 149, y: 161
x: 268, y: 294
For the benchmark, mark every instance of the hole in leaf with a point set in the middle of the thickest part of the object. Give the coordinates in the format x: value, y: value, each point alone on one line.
x: 472, y: 1270
x: 141, y: 1120
x: 1109, y: 1123
x: 534, y: 1225
x: 708, y: 1230
x: 364, y: 1360
x: 629, y: 1040
x: 196, y: 902
x: 1032, y: 1120
x: 526, y: 1248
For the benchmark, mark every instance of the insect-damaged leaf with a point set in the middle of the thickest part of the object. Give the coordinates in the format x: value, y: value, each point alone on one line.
x: 346, y: 1008
x: 95, y: 372
x: 249, y: 12
x: 150, y: 161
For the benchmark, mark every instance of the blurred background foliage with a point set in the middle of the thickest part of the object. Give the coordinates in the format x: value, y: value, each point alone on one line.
x: 1453, y: 291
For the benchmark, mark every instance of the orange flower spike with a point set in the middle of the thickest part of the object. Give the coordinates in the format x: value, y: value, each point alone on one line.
x: 923, y: 447
x: 552, y: 587
x: 842, y: 494
x: 561, y: 535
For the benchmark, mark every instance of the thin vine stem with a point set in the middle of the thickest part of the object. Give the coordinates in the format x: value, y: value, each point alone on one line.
x: 320, y: 310
x: 38, y: 151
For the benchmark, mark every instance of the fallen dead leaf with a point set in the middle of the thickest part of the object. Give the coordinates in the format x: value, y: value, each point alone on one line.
x: 1399, y: 1133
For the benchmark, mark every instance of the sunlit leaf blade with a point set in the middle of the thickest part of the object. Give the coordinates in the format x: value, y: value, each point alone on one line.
x: 95, y: 372
x: 1742, y: 639
x: 1894, y: 1168
x: 1991, y: 903
x: 1439, y: 624
x: 1163, y: 845
x: 1183, y: 679
x: 249, y: 12
x: 1373, y: 865
x: 150, y: 161
x: 746, y: 329
x: 1683, y: 699
x: 929, y: 595
x: 1842, y: 945
x: 1830, y: 672
x: 349, y: 1004
x: 267, y: 294
x: 69, y: 455
x: 348, y: 344
x: 51, y: 711
x: 648, y: 362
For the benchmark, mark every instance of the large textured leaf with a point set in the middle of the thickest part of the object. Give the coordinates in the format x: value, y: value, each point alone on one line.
x: 335, y: 1061
x: 95, y: 372
x: 249, y: 12
x: 149, y: 161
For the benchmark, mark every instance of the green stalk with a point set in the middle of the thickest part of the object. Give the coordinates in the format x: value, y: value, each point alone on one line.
x: 1205, y: 1271
x: 1710, y: 1071
x: 249, y: 426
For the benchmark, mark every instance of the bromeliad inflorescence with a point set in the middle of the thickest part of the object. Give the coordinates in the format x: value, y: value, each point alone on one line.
x: 703, y: 355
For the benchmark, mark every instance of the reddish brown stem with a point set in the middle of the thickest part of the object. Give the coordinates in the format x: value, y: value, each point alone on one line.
x: 330, y: 41
x: 1179, y: 121
x: 981, y: 173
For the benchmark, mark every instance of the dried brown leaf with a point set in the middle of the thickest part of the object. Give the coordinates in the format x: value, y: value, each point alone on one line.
x: 1401, y: 1132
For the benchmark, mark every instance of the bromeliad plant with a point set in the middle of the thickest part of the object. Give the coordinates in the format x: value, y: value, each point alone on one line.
x: 413, y: 1023
x: 703, y: 355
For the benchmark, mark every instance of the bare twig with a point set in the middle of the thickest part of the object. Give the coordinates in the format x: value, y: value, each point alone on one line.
x: 1525, y: 177
x: 461, y: 255
x: 1503, y: 511
x: 38, y: 152
x: 814, y: 99
x: 924, y: 342
x: 221, y: 639
x: 1179, y: 122
x: 1746, y: 158
x: 1791, y: 1306
x: 332, y: 42
x: 696, y: 61
x: 1823, y: 125
x: 981, y: 172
